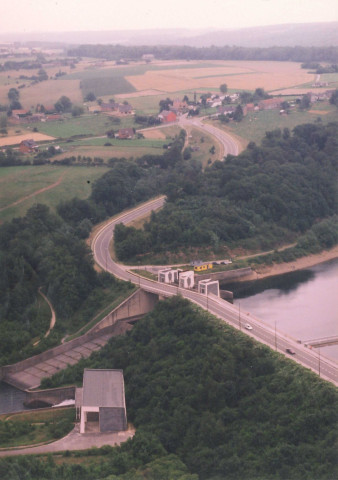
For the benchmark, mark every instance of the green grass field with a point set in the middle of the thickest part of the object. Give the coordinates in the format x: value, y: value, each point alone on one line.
x: 22, y: 184
x: 255, y: 124
x: 106, y: 86
x: 70, y: 126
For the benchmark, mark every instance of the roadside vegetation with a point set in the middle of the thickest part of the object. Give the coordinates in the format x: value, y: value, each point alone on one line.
x: 32, y: 428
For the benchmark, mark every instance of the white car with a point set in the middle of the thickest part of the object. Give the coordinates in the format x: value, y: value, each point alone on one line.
x: 248, y: 326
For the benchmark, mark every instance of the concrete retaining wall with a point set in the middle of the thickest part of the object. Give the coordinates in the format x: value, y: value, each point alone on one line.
x: 52, y: 396
x: 227, y: 276
x: 137, y: 305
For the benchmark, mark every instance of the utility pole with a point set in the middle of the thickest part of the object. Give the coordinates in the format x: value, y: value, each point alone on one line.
x: 239, y: 315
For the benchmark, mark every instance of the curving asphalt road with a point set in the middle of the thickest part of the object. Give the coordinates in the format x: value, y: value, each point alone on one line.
x: 217, y: 306
x: 229, y: 145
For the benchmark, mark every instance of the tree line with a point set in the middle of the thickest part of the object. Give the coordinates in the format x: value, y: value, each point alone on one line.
x: 274, y: 191
x: 173, y: 52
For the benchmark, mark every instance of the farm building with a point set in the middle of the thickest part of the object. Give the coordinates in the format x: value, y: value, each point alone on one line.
x: 208, y: 286
x: 101, y: 400
x: 168, y: 275
x: 186, y: 279
x: 28, y: 146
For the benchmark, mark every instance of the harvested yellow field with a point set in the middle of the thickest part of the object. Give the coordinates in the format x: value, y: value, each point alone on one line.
x: 162, y: 80
x: 143, y: 93
x: 237, y: 75
x: 48, y: 92
x: 157, y: 133
x: 16, y: 139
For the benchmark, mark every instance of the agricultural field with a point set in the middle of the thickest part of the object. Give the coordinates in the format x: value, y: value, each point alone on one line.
x: 22, y: 187
x: 239, y: 75
x: 84, y: 125
x: 255, y: 124
x: 16, y: 139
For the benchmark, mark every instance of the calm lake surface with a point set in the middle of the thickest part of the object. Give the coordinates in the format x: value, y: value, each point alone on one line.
x: 303, y: 303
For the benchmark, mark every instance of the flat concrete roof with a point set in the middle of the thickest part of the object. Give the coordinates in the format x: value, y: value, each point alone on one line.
x: 103, y: 388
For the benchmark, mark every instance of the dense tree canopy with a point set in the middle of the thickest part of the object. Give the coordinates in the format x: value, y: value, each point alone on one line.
x: 168, y: 52
x: 273, y: 191
x: 227, y: 406
x: 40, y: 250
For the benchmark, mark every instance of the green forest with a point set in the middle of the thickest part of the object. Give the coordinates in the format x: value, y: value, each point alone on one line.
x: 173, y: 52
x: 207, y: 402
x: 41, y: 250
x: 269, y: 194
x: 284, y: 190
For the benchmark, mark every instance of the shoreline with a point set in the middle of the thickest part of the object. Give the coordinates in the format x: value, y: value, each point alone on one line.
x: 263, y: 271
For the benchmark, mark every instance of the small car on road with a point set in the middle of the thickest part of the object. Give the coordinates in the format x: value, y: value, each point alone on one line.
x: 248, y: 326
x: 290, y: 351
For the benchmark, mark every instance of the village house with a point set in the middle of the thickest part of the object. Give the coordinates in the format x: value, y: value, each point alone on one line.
x: 226, y: 109
x: 124, y: 109
x: 28, y: 146
x: 107, y: 107
x: 126, y: 133
x: 166, y: 116
x: 319, y: 96
x: 270, y: 103
x: 101, y: 401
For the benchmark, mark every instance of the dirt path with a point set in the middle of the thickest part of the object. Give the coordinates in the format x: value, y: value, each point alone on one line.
x: 37, y: 192
x: 53, y: 318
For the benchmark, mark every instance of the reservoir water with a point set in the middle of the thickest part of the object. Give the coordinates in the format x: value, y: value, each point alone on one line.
x: 11, y: 399
x: 304, y: 303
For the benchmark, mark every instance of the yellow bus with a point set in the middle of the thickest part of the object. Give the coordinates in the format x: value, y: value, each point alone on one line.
x: 201, y: 268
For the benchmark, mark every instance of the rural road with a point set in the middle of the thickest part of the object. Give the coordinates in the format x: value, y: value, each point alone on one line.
x: 217, y: 306
x: 73, y: 441
x: 229, y: 145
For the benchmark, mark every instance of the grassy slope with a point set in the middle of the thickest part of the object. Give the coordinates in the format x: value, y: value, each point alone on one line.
x: 19, y: 182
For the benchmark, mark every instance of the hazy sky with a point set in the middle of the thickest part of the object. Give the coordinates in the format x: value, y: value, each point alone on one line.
x: 76, y: 15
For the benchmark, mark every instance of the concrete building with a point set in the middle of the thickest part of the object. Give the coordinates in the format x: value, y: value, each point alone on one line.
x: 208, y: 286
x: 168, y: 275
x: 101, y: 400
x: 186, y: 279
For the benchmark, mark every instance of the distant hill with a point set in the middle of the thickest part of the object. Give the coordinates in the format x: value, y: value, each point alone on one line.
x: 305, y: 34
